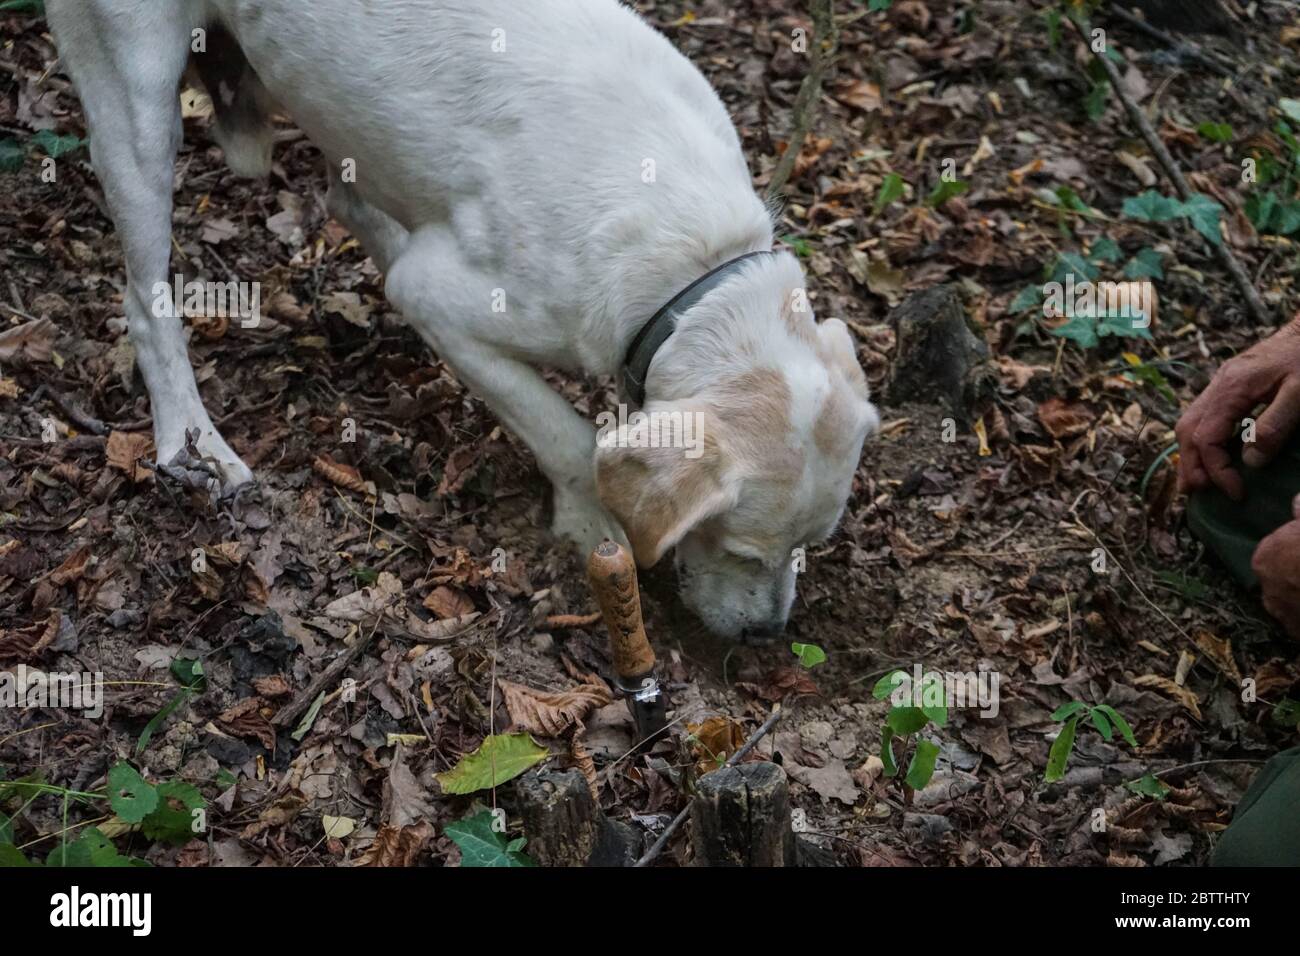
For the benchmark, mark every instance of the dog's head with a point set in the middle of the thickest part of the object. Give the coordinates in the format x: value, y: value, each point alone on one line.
x: 746, y: 454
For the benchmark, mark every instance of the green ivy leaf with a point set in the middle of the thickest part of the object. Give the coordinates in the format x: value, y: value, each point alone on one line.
x: 921, y: 768
x: 1287, y: 712
x: 1290, y: 108
x: 1105, y: 249
x: 1149, y: 786
x: 480, y: 845
x: 1204, y: 214
x: 1071, y: 263
x: 1060, y: 752
x: 1081, y: 329
x: 1145, y: 264
x: 91, y: 848
x: 54, y: 145
x: 501, y: 757
x: 1031, y: 296
x: 11, y: 856
x: 810, y: 655
x: 1151, y: 206
x: 130, y: 797
x: 11, y: 156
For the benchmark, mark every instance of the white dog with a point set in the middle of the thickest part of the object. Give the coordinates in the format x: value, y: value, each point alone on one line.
x: 537, y: 178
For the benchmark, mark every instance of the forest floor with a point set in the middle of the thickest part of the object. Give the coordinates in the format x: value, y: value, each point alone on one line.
x: 947, y: 558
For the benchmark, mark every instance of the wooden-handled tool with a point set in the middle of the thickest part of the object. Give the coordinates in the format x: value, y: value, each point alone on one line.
x: 612, y: 574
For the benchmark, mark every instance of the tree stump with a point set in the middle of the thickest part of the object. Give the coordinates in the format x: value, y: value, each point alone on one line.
x: 938, y: 358
x: 740, y: 816
x: 564, y: 826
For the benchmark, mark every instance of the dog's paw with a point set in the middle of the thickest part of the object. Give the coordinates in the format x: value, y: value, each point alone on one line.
x: 584, y: 521
x: 215, y: 458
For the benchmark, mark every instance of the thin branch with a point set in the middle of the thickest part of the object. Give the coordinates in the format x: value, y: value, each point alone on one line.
x: 1253, y: 302
x: 825, y: 41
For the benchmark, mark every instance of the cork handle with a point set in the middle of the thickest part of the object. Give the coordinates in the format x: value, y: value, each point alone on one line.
x: 612, y: 574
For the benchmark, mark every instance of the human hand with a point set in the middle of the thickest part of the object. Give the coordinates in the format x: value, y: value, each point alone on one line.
x: 1267, y: 372
x: 1277, y: 564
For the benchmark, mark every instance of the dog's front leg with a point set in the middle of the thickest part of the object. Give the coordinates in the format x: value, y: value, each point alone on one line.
x: 450, y: 304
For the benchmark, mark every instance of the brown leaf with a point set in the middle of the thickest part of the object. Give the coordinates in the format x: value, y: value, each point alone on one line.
x: 552, y: 714
x: 448, y: 602
x: 405, y: 800
x: 395, y: 846
x: 274, y: 685
x: 24, y: 644
x: 460, y: 468
x: 281, y: 813
x: 1167, y: 687
x: 123, y: 451
x: 345, y: 476
x: 1064, y: 419
x: 245, y: 719
x: 32, y: 340
x: 1220, y: 652
x: 713, y: 741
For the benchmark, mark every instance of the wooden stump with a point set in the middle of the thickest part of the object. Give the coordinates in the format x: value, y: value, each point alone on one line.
x: 938, y: 358
x: 564, y: 826
x: 740, y: 816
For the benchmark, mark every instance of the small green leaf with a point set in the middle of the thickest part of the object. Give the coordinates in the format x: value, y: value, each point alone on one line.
x: 891, y: 189
x: 170, y: 823
x: 947, y: 189
x: 130, y: 797
x: 1146, y: 264
x: 921, y: 768
x: 11, y: 856
x: 1101, y: 723
x: 480, y: 845
x: 501, y: 757
x: 1071, y: 263
x: 906, y: 720
x: 1149, y: 786
x: 887, y: 752
x: 54, y: 146
x: 1290, y: 108
x: 1215, y: 132
x: 810, y: 655
x: 1125, y: 730
x: 1065, y: 710
x: 1060, y: 752
x: 1031, y: 296
x: 1204, y: 214
x: 1105, y: 249
x: 1081, y: 329
x: 885, y: 686
x: 157, y: 719
x: 1287, y: 712
x: 11, y: 156
x: 1151, y: 206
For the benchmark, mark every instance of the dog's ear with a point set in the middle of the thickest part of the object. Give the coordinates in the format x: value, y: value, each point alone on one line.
x: 658, y: 494
x: 835, y: 346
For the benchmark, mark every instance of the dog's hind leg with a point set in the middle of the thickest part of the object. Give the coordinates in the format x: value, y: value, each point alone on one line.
x: 126, y: 58
x: 380, y: 234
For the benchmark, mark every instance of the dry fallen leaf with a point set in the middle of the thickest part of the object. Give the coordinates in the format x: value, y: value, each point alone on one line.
x: 448, y: 602
x: 345, y: 476
x: 551, y: 714
x: 1167, y: 687
x: 123, y: 451
x: 395, y: 846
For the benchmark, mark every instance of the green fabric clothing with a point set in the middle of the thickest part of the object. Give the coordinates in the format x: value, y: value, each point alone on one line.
x: 1232, y: 529
x: 1265, y: 828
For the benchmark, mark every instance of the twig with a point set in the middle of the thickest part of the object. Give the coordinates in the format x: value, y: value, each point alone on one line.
x: 826, y: 36
x: 1181, y: 46
x: 735, y: 758
x: 290, y: 711
x: 1253, y: 302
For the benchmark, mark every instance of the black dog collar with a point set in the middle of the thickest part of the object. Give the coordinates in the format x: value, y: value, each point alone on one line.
x: 636, y: 366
